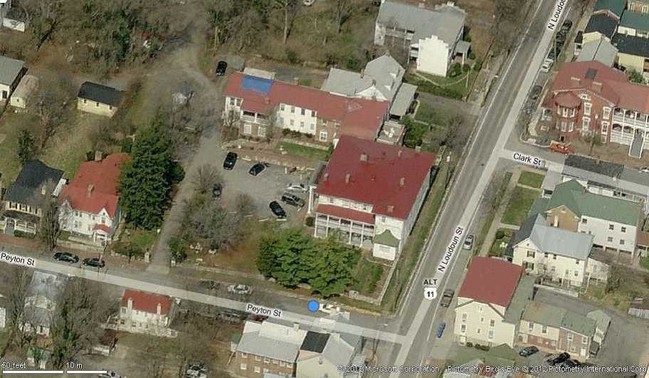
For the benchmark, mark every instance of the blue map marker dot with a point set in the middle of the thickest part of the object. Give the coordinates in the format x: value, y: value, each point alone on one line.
x: 313, y: 305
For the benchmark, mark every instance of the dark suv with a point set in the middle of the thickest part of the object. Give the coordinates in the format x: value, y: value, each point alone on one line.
x: 66, y: 257
x: 257, y: 169
x: 230, y: 161
x: 94, y: 262
x: 555, y: 360
x: 277, y: 209
x: 292, y: 199
x: 221, y: 67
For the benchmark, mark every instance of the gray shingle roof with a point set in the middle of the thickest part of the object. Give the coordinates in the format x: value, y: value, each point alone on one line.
x: 560, y: 242
x: 600, y: 50
x: 27, y: 187
x: 100, y: 93
x: 556, y: 317
x: 601, y: 23
x: 403, y: 99
x: 9, y: 69
x: 631, y: 45
x: 522, y: 296
x: 445, y: 22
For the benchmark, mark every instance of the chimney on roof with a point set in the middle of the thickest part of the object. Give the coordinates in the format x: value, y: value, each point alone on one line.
x: 390, y: 209
x: 129, y: 304
x: 402, y: 181
x: 347, y: 177
x: 597, y: 86
x: 575, y: 81
x: 363, y: 156
x: 98, y: 155
x: 90, y: 189
x: 399, y: 153
x: 326, y: 176
x: 362, y: 73
x: 158, y: 309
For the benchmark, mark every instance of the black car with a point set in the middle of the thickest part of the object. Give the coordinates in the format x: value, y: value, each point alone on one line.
x: 569, y: 363
x: 557, y: 359
x: 528, y: 351
x: 567, y: 24
x: 277, y: 209
x: 221, y: 66
x: 230, y: 161
x: 292, y: 199
x: 94, y: 262
x: 257, y: 169
x: 66, y: 257
x: 536, y: 92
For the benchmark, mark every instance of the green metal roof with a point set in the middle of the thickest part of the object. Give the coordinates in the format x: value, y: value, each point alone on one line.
x: 386, y: 238
x: 578, y: 323
x: 576, y: 198
x: 539, y: 206
x: 615, y: 6
x: 521, y: 298
x: 633, y: 20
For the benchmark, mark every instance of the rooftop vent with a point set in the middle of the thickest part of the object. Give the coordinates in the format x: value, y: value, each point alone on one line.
x: 363, y: 156
x: 347, y: 177
x: 390, y: 209
x: 402, y: 181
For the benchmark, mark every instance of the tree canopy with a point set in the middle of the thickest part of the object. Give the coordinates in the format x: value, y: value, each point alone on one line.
x: 292, y: 258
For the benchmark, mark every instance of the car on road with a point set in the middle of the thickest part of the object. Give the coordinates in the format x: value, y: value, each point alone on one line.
x: 230, y: 161
x: 468, y: 242
x: 293, y: 200
x: 547, y: 64
x: 221, y: 67
x: 561, y: 148
x: 447, y: 298
x: 536, y: 92
x: 297, y: 188
x: 440, y: 329
x: 329, y: 308
x: 528, y: 351
x: 277, y: 209
x: 66, y: 257
x: 556, y: 359
x: 240, y: 289
x: 257, y: 169
x: 567, y: 24
x: 94, y: 262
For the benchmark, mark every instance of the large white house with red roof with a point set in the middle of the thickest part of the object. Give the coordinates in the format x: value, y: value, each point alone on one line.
x: 90, y: 202
x: 256, y: 105
x: 149, y: 313
x: 590, y: 98
x: 491, y: 302
x: 371, y: 193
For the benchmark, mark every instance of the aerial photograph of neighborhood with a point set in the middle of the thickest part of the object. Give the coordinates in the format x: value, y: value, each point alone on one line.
x: 324, y: 188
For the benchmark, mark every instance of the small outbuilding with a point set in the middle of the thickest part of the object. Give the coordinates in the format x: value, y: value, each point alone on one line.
x: 24, y: 90
x: 11, y: 71
x: 99, y: 99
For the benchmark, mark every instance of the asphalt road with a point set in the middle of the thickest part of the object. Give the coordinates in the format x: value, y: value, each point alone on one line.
x: 495, y: 126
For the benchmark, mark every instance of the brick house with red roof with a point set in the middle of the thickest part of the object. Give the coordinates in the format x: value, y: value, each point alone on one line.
x: 371, y: 194
x: 90, y: 202
x: 142, y: 312
x: 491, y: 302
x: 589, y: 98
x: 257, y: 105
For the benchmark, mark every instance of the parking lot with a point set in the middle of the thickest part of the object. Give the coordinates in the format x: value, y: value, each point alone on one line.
x: 267, y: 186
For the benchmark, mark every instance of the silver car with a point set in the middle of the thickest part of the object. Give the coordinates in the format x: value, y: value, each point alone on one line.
x: 240, y: 289
x: 468, y: 242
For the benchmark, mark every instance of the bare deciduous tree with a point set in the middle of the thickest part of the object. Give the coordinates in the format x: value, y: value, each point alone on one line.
x: 207, y: 177
x: 54, y: 95
x: 18, y: 284
x: 343, y: 10
x: 289, y: 11
x: 458, y: 132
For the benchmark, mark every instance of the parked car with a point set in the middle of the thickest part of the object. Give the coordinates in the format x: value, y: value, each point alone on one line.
x: 297, y: 188
x: 440, y: 329
x: 221, y: 66
x: 277, y: 209
x: 94, y: 262
x: 196, y: 370
x: 547, y: 64
x: 528, y: 351
x: 66, y: 257
x: 536, y: 92
x: 561, y: 148
x: 292, y: 199
x: 569, y: 364
x: 230, y: 161
x: 216, y: 191
x: 240, y: 289
x: 644, y: 169
x: 447, y: 298
x: 257, y: 169
x: 329, y: 308
x: 567, y: 24
x: 468, y: 242
x: 109, y: 374
x: 557, y: 358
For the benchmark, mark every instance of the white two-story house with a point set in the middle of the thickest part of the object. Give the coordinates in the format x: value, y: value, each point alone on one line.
x: 556, y: 254
x: 148, y: 313
x: 41, y: 301
x: 370, y: 194
x: 90, y: 202
x: 433, y: 37
x: 491, y: 301
x: 258, y: 106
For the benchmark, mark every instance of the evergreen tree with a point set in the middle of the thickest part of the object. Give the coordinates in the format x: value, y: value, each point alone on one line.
x: 332, y: 267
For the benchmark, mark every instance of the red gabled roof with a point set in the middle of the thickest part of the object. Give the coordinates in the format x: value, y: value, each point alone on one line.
x: 102, y: 227
x: 599, y: 80
x: 103, y: 176
x: 358, y: 117
x: 491, y: 281
x: 387, y: 177
x: 147, y: 302
x: 341, y: 212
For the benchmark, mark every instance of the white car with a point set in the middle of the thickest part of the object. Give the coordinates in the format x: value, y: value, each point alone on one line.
x: 468, y: 242
x: 240, y: 289
x: 329, y: 308
x: 109, y: 374
x: 644, y: 170
x: 297, y: 188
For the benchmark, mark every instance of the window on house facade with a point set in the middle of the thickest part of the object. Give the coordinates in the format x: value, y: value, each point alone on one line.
x: 604, y: 127
x: 576, y: 273
x: 323, y: 136
x: 247, y: 128
x: 257, y: 369
x: 606, y: 112
x: 463, y: 328
x: 490, y: 335
x: 96, y: 104
x: 266, y: 360
x: 232, y: 101
x: 554, y: 257
x: 584, y: 340
x: 481, y: 320
x: 564, y: 112
x: 464, y: 315
x: 573, y: 349
x: 85, y: 101
x: 584, y: 220
x: 570, y: 337
x: 244, y: 355
x: 303, y: 111
x: 292, y: 109
x: 312, y: 126
x: 611, y: 227
x: 289, y: 365
x: 577, y: 262
x: 282, y: 107
x: 563, y: 126
x: 492, y: 323
x: 291, y: 122
x: 623, y: 229
x: 587, y: 107
x: 545, y: 255
x: 302, y: 125
x: 621, y: 241
x: 585, y: 123
x: 257, y: 358
x: 244, y: 367
x: 609, y: 239
x: 530, y: 254
x: 478, y: 331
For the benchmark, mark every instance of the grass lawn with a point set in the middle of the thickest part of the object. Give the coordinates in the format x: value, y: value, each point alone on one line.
x: 490, y: 214
x: 499, y: 245
x: 644, y: 262
x: 453, y: 87
x: 11, y: 125
x: 142, y: 238
x: 367, y: 276
x: 429, y: 115
x: 623, y: 285
x: 519, y: 205
x: 243, y: 257
x: 532, y: 179
x: 304, y: 151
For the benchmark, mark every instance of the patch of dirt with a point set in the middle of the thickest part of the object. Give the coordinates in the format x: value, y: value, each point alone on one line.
x: 610, y: 152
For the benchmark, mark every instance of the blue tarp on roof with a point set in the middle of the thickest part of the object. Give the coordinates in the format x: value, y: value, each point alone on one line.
x: 256, y: 84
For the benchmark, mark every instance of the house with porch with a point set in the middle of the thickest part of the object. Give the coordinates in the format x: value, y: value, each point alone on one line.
x: 41, y: 301
x: 370, y: 194
x: 432, y: 37
x: 589, y: 98
x: 11, y: 72
x: 90, y: 202
x: 491, y: 301
x: 258, y: 105
x: 22, y: 205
